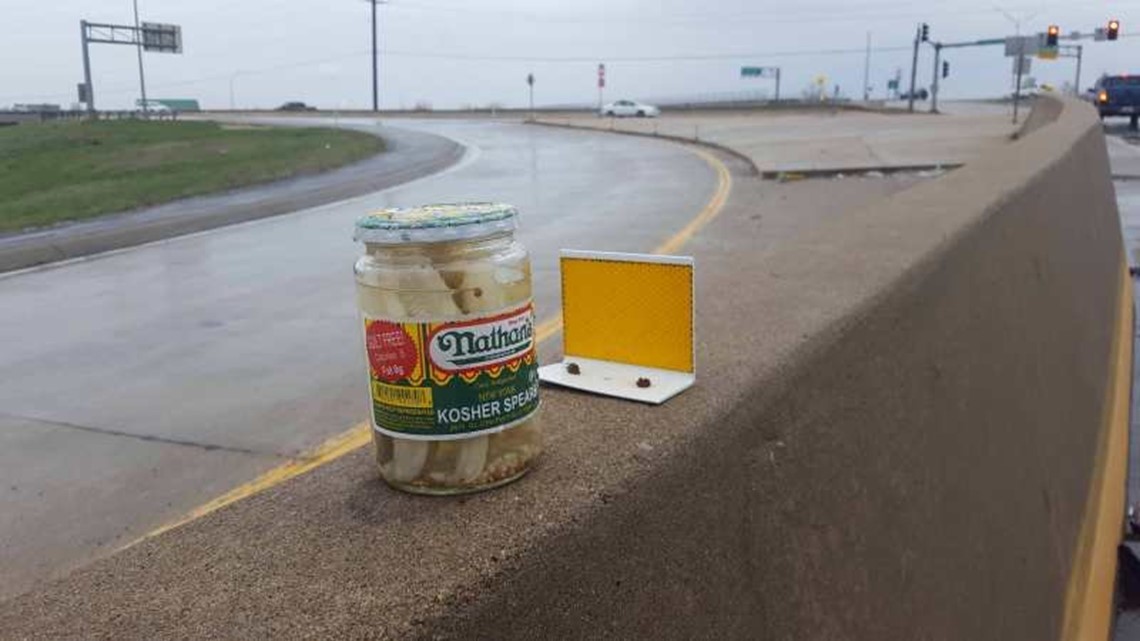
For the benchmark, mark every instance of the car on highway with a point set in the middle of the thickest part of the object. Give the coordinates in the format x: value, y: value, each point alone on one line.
x: 629, y: 108
x: 296, y: 106
x: 157, y: 107
x: 1118, y: 96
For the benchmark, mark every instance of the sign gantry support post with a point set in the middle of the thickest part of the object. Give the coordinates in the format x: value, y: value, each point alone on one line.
x: 147, y: 36
x: 89, y: 90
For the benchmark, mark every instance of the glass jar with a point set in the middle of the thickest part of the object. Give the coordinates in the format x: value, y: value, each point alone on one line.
x: 445, y: 298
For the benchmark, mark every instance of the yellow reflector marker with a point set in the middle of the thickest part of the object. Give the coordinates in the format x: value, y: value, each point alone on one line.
x: 628, y: 325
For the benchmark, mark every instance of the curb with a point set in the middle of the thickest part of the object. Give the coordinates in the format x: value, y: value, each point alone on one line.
x: 752, y: 168
x: 827, y: 173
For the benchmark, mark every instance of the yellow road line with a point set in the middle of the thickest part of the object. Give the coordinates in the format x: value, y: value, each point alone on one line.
x: 326, y: 452
x: 710, y: 211
x: 1089, y: 594
x: 361, y: 434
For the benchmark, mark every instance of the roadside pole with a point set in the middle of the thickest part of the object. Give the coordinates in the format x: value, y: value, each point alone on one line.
x: 1019, y: 62
x: 1077, y: 82
x: 530, y: 86
x: 87, y: 68
x: 375, y: 64
x: 601, y: 84
x: 142, y: 74
x: 777, y: 84
x: 867, y: 71
x: 913, y: 70
x: 936, y: 76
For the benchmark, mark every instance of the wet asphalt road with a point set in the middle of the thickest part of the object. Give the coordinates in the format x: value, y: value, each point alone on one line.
x: 409, y: 155
x: 139, y: 384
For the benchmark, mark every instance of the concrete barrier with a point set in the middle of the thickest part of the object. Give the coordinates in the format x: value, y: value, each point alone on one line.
x: 908, y: 426
x: 923, y: 472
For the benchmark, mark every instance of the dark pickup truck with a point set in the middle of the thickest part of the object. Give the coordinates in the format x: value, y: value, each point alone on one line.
x: 1118, y: 96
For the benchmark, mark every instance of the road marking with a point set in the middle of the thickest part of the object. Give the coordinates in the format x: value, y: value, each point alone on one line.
x: 326, y: 452
x: 1090, y: 590
x: 361, y: 434
x: 710, y: 211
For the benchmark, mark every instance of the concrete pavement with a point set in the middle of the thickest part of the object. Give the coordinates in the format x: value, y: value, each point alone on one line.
x: 336, y: 554
x: 894, y: 435
x: 140, y: 384
x: 897, y: 436
x: 826, y: 142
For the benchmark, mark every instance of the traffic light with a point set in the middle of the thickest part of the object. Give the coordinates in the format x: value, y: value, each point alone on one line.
x: 1113, y: 30
x: 945, y: 68
x: 925, y: 32
x: 1051, y: 35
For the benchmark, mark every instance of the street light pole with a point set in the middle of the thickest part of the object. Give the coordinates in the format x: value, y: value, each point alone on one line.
x: 142, y: 74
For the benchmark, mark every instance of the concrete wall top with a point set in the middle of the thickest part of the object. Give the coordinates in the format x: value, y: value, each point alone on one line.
x: 893, y: 438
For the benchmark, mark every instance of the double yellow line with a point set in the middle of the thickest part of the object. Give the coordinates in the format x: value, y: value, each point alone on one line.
x: 361, y: 434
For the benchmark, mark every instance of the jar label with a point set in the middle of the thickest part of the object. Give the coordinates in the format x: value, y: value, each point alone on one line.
x: 440, y: 381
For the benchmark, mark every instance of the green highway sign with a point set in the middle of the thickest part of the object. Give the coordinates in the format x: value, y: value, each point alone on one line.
x: 759, y: 72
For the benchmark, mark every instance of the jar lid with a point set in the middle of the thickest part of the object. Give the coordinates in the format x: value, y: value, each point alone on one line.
x: 436, y: 223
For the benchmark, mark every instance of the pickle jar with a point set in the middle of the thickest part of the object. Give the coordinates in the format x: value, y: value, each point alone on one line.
x: 446, y: 308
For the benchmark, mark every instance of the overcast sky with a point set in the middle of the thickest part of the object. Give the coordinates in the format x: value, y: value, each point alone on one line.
x: 454, y: 53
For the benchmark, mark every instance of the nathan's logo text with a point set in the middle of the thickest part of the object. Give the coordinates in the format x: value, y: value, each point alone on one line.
x: 485, y: 343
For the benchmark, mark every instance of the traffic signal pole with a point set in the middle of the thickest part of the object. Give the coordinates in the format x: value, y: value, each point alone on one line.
x: 1077, y: 82
x: 936, y: 77
x: 914, y: 69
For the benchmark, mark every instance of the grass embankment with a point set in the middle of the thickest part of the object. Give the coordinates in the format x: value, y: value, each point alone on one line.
x: 56, y: 172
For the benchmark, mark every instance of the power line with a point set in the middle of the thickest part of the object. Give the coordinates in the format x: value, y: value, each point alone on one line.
x: 503, y: 58
x: 659, y: 58
x: 892, y: 10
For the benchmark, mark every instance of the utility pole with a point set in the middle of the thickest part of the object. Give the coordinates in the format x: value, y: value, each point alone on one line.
x: 937, y: 75
x: 375, y: 62
x: 867, y: 71
x: 914, y: 69
x: 142, y: 75
x: 778, y: 71
x: 87, y: 68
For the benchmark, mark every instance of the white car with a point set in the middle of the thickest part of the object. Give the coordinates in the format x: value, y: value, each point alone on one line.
x: 154, y: 106
x: 623, y: 108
